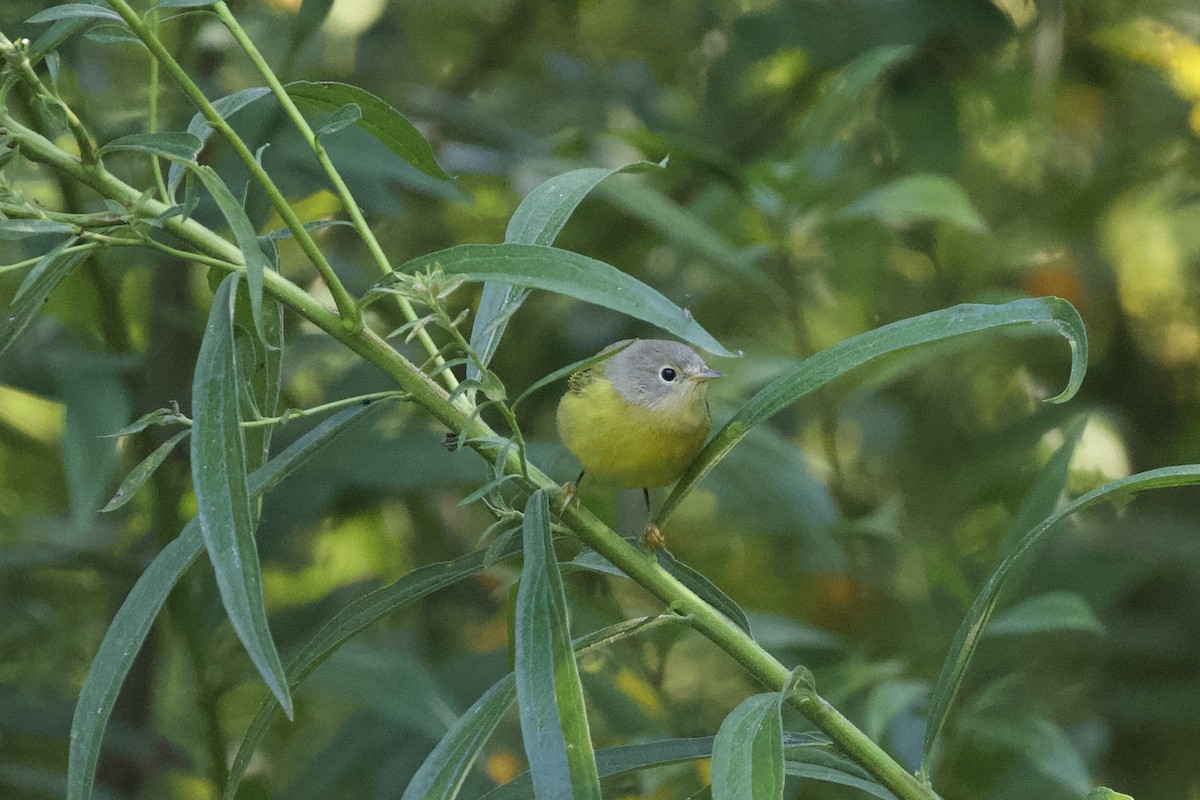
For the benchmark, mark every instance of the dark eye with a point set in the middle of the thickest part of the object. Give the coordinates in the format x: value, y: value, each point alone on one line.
x: 667, y: 374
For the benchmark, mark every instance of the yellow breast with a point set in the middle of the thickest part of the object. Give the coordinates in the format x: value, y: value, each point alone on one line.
x: 629, y: 445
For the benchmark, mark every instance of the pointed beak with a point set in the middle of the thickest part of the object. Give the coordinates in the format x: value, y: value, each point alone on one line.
x: 707, y: 374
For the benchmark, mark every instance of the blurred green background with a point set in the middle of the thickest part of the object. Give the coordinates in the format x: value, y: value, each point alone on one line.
x: 834, y: 166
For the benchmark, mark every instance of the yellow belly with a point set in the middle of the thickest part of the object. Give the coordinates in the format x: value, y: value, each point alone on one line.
x: 628, y: 445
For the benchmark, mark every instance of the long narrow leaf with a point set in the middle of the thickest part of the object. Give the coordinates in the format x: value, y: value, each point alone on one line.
x: 748, y: 753
x: 244, y: 235
x: 1047, y: 490
x: 142, y: 472
x: 127, y: 633
x: 379, y: 119
x: 445, y: 768
x: 45, y: 276
x: 222, y: 494
x: 966, y: 639
x: 1021, y: 317
x: 805, y: 755
x: 199, y: 127
x: 538, y: 220
x: 554, y: 724
x: 344, y: 625
x: 570, y: 274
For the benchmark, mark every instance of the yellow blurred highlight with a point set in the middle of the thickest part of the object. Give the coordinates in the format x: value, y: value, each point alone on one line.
x: 1173, y: 53
x: 704, y: 771
x: 291, y: 6
x: 352, y: 551
x: 641, y: 692
x: 783, y: 69
x: 36, y: 417
x: 1147, y: 237
x: 502, y: 766
x: 486, y: 637
x: 322, y: 204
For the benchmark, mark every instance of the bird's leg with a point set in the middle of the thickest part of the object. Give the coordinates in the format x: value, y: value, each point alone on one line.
x: 652, y: 537
x: 571, y: 493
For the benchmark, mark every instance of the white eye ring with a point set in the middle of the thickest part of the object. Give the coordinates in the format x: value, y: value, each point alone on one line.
x: 667, y: 374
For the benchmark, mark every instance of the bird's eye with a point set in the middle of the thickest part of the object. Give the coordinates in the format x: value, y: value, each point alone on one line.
x: 667, y: 374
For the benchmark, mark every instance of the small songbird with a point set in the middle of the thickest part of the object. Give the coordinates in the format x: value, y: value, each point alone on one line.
x: 638, y: 418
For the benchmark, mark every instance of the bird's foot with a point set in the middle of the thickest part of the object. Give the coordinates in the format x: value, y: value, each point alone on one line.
x: 653, y: 537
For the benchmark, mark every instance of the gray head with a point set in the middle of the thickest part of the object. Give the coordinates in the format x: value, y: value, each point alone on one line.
x: 656, y: 373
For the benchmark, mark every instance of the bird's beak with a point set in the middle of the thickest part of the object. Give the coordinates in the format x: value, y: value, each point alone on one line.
x: 707, y: 374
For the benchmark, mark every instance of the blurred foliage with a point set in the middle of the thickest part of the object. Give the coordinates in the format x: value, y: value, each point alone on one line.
x: 833, y: 167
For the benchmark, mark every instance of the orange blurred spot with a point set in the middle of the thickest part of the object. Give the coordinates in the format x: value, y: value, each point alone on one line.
x: 503, y: 766
x: 1056, y: 278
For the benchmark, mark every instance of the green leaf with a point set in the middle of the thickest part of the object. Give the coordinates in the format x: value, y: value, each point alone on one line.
x: 841, y: 95
x: 121, y: 643
x: 341, y: 627
x: 246, y: 238
x: 706, y: 589
x: 142, y: 472
x: 805, y: 755
x: 163, y: 5
x: 159, y: 416
x: 554, y: 723
x: 747, y: 761
x: 442, y: 773
x: 685, y: 228
x: 222, y: 494
x: 113, y: 34
x: 1047, y: 490
x: 918, y: 198
x: 127, y: 633
x: 569, y: 369
x: 260, y: 365
x: 55, y: 35
x: 20, y: 228
x: 225, y: 107
x: 1021, y: 317
x: 45, y: 276
x: 174, y: 145
x: 538, y: 220
x: 75, y: 11
x: 966, y: 639
x: 344, y: 117
x: 1046, y: 613
x: 379, y: 119
x: 567, y: 273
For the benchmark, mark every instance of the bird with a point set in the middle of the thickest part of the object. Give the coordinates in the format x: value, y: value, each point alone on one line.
x: 638, y: 418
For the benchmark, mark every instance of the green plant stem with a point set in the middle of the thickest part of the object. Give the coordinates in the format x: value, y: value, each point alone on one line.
x: 297, y: 413
x: 347, y: 308
x: 21, y: 66
x: 152, y: 123
x: 339, y: 185
x: 637, y: 564
x: 29, y: 262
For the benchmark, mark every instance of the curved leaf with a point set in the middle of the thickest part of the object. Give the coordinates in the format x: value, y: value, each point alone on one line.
x: 445, y: 768
x: 805, y: 755
x: 127, y: 633
x: 199, y: 127
x: 75, y: 11
x: 142, y: 472
x: 538, y: 220
x: 747, y: 761
x: 20, y: 228
x: 1021, y: 317
x: 918, y: 198
x: 567, y: 273
x: 345, y: 624
x: 966, y: 639
x: 222, y: 493
x: 379, y: 119
x: 699, y: 583
x: 245, y: 236
x: 554, y: 723
x: 173, y: 144
x: 35, y: 290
